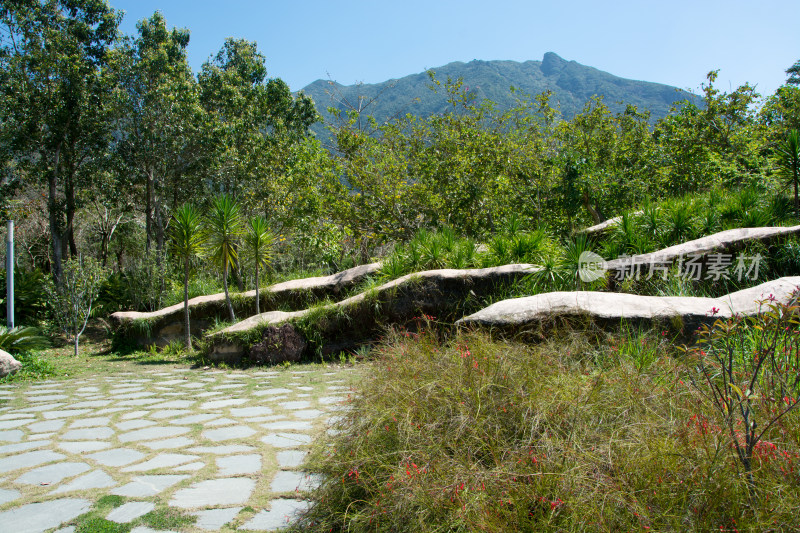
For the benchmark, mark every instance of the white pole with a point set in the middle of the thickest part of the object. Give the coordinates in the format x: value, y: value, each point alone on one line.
x: 10, y: 274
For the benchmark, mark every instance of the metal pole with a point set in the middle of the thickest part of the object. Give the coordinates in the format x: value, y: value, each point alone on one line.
x: 10, y: 274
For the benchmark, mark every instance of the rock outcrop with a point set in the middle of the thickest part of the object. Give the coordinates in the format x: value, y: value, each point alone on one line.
x: 166, y: 325
x: 8, y: 365
x: 604, y: 307
x: 350, y: 322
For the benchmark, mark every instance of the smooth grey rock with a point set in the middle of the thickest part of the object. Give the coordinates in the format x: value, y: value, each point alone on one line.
x: 236, y: 465
x: 96, y: 479
x: 226, y: 491
x: 221, y: 422
x: 169, y: 413
x: 134, y: 414
x: 162, y: 460
x: 117, y: 457
x: 272, y: 392
x: 292, y: 481
x: 151, y: 433
x: 214, y: 519
x: 128, y: 512
x: 291, y: 458
x: 22, y: 446
x: 618, y: 306
x: 217, y: 404
x: 28, y: 460
x: 52, y: 474
x: 228, y: 433
x: 12, y: 435
x: 8, y: 365
x: 100, y: 421
x: 146, y: 486
x: 11, y: 424
x: 65, y: 413
x: 281, y: 513
x: 39, y: 517
x: 84, y: 446
x: 286, y: 440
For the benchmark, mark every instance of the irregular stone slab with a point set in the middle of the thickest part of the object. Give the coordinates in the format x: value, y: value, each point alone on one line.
x: 8, y: 365
x: 194, y: 419
x: 134, y: 424
x: 723, y: 241
x: 221, y: 422
x: 84, y: 446
x: 96, y: 479
x: 66, y: 413
x: 128, y: 512
x: 247, y: 412
x: 52, y: 474
x: 169, y: 444
x: 146, y: 486
x: 433, y: 292
x: 49, y: 425
x: 117, y: 457
x: 152, y: 433
x: 286, y: 440
x: 308, y: 414
x: 162, y: 460
x: 289, y: 425
x: 605, y: 306
x: 46, y: 397
x: 606, y: 225
x: 139, y: 402
x: 168, y: 413
x: 11, y: 424
x: 134, y: 414
x: 281, y: 513
x: 226, y: 491
x: 222, y: 450
x: 39, y: 408
x: 100, y: 421
x: 228, y: 433
x: 291, y: 481
x: 291, y: 458
x: 93, y: 403
x: 22, y: 446
x: 28, y: 460
x: 39, y: 517
x: 167, y: 324
x: 177, y: 404
x: 191, y: 467
x: 8, y: 495
x: 332, y: 400
x: 216, y: 404
x: 88, y: 433
x: 13, y: 435
x: 237, y: 465
x: 214, y: 519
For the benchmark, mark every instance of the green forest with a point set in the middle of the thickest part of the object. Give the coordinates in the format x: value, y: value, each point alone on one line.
x: 136, y: 184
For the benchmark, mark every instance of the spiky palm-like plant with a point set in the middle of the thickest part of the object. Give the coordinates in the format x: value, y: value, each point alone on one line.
x: 258, y: 243
x: 789, y: 162
x: 224, y: 226
x: 188, y: 240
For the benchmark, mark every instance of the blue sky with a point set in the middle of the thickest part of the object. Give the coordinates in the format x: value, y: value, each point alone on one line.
x: 675, y: 42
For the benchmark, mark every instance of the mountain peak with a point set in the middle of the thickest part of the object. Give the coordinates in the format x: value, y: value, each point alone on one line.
x: 552, y: 63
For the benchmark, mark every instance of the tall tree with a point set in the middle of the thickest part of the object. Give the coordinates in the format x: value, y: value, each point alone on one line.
x: 188, y: 240
x: 789, y: 163
x: 258, y: 243
x: 160, y: 120
x: 224, y: 229
x: 52, y: 53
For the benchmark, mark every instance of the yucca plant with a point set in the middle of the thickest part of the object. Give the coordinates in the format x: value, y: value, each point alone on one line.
x: 789, y: 164
x: 21, y: 339
x: 678, y: 222
x: 224, y: 227
x: 258, y: 242
x: 188, y: 240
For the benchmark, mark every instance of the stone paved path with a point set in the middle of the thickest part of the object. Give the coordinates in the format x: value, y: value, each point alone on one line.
x: 222, y: 446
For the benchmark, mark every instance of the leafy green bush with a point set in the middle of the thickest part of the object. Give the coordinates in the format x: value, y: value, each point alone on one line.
x: 21, y: 339
x: 30, y: 299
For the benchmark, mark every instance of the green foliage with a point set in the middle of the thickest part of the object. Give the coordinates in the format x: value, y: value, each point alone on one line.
x: 30, y: 298
x: 34, y: 367
x: 21, y: 339
x: 224, y: 228
x: 789, y: 164
x: 188, y: 240
x: 258, y: 242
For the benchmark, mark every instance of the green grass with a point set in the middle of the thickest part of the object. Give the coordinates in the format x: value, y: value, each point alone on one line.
x: 586, y: 431
x: 34, y: 367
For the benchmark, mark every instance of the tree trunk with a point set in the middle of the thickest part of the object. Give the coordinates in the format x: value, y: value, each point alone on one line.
x: 77, y: 337
x: 258, y: 299
x: 56, y: 238
x: 148, y: 211
x: 227, y: 296
x: 69, y: 193
x: 186, y: 325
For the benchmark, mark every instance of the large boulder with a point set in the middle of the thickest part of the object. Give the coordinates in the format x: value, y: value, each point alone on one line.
x: 8, y: 365
x: 165, y: 325
x: 603, y: 307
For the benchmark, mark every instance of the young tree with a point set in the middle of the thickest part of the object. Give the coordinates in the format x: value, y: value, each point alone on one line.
x: 258, y: 242
x: 224, y: 225
x: 188, y: 239
x: 789, y: 163
x: 72, y: 300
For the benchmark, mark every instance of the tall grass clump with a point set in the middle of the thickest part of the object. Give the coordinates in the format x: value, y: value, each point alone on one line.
x: 474, y: 434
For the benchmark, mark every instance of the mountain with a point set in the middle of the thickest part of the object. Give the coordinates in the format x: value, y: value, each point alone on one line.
x: 572, y: 85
